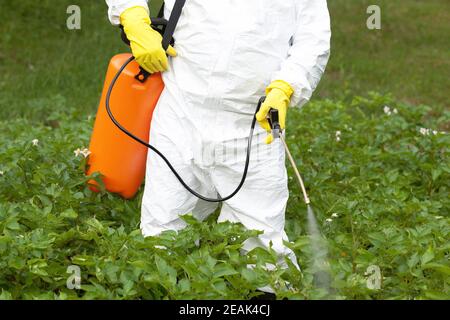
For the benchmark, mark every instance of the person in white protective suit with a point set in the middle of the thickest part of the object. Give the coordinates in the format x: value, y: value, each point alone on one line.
x: 229, y: 53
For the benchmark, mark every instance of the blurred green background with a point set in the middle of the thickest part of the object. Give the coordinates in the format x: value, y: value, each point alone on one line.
x: 44, y: 66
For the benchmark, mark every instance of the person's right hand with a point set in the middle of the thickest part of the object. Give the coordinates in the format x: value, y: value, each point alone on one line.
x: 145, y: 42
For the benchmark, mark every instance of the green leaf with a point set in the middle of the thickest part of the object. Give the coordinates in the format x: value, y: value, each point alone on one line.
x: 249, y: 275
x: 223, y: 269
x: 184, y: 285
x: 438, y: 267
x: 5, y: 295
x: 427, y: 256
x: 38, y: 266
x: 437, y: 295
x: 69, y: 214
x: 435, y: 173
x: 413, y: 260
x: 166, y: 270
x: 13, y: 225
x: 17, y: 262
x: 83, y: 260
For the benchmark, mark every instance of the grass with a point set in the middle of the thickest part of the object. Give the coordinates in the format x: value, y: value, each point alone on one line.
x: 44, y: 66
x: 408, y: 57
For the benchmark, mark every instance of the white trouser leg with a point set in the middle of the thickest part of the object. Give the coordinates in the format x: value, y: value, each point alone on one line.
x: 261, y: 203
x: 165, y: 199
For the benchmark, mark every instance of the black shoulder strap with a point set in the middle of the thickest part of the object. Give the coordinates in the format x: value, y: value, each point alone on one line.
x: 172, y: 23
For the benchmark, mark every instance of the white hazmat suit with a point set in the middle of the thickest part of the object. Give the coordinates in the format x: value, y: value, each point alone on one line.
x: 229, y: 51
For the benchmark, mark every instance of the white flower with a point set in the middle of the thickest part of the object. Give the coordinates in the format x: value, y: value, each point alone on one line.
x: 424, y: 131
x: 395, y: 111
x: 85, y: 152
x: 335, y: 215
x: 35, y: 142
x: 329, y: 220
x: 338, y: 136
x: 77, y: 152
x: 427, y: 132
x: 387, y: 110
x: 2, y: 173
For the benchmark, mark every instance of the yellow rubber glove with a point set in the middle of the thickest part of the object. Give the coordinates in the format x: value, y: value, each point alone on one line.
x: 145, y: 42
x: 278, y: 96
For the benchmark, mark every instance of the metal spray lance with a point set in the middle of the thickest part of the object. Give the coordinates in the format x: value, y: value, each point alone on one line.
x: 277, y: 133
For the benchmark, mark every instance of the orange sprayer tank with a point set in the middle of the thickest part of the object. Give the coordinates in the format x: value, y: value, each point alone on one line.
x: 120, y: 159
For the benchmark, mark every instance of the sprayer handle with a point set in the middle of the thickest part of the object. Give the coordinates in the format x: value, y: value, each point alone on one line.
x: 274, y: 121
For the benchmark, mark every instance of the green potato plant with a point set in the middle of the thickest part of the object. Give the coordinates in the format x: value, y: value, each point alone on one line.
x: 377, y: 173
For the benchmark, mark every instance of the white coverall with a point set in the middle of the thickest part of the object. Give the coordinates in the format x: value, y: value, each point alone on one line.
x: 228, y: 52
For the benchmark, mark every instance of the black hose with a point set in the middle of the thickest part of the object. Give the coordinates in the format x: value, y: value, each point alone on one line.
x: 128, y: 133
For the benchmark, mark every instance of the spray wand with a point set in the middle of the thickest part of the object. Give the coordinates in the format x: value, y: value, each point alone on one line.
x: 319, y: 249
x: 277, y: 133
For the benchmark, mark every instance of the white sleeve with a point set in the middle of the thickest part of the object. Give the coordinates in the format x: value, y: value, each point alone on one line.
x: 310, y: 50
x: 116, y: 7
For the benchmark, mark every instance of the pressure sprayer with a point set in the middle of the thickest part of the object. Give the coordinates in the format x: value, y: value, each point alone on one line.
x: 117, y: 157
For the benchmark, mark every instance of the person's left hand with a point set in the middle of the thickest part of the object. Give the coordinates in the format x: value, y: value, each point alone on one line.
x: 278, y: 97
